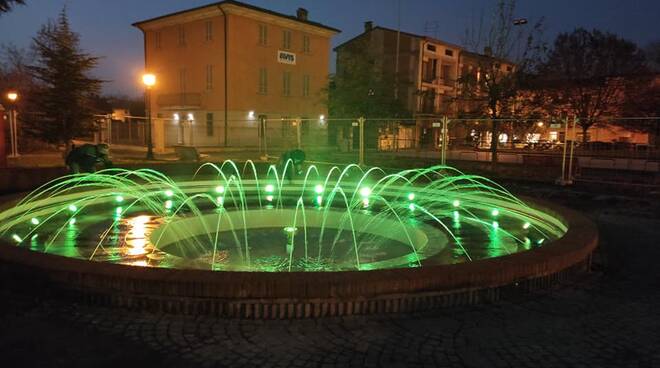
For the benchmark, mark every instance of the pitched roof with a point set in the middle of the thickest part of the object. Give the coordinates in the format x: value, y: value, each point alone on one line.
x: 413, y: 35
x: 243, y: 5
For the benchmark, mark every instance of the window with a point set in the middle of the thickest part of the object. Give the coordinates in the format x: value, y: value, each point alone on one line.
x: 449, y: 52
x: 209, y: 30
x: 305, y: 43
x: 263, y: 35
x: 209, y: 77
x: 182, y: 36
x: 305, y: 87
x: 430, y: 48
x: 263, y: 81
x: 182, y: 80
x: 286, y: 39
x: 209, y: 124
x: 286, y: 84
x: 157, y: 39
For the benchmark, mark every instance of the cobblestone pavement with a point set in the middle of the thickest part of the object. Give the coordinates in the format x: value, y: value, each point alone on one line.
x: 609, y: 318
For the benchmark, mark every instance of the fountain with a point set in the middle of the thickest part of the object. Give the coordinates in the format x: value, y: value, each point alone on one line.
x: 228, y: 220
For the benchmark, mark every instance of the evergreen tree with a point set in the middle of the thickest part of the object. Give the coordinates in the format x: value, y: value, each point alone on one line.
x: 7, y: 5
x: 62, y: 100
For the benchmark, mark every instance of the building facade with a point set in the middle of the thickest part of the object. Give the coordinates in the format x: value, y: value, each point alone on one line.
x: 231, y: 74
x: 427, y: 72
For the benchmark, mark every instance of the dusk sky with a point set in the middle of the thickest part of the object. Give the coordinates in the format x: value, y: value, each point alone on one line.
x: 105, y: 26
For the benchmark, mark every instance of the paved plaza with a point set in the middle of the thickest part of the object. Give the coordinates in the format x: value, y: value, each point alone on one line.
x: 608, y: 318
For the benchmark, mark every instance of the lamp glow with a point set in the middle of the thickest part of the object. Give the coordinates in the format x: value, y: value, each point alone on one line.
x: 495, y: 212
x: 220, y: 189
x: 318, y: 189
x: 34, y: 221
x: 456, y: 203
x: 119, y: 199
x: 526, y: 225
x: 411, y: 196
x: 149, y: 80
x: 12, y: 96
x: 168, y: 204
x: 269, y: 188
x: 73, y: 208
x: 169, y: 193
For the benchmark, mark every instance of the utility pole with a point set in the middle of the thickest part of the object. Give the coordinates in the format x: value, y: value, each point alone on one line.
x: 361, y: 121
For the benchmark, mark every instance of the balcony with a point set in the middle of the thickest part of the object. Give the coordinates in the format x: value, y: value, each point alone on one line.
x: 180, y: 100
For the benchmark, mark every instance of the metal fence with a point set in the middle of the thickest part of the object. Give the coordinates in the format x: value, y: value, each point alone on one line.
x: 551, y: 148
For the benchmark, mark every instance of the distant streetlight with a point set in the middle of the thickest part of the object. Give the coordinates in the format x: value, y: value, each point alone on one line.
x: 519, y: 21
x: 149, y: 81
x: 12, y: 96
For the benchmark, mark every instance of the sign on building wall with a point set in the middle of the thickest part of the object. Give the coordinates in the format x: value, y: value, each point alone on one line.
x: 285, y: 57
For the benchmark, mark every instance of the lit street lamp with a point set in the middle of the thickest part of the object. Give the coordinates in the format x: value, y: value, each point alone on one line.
x: 149, y: 81
x: 12, y: 96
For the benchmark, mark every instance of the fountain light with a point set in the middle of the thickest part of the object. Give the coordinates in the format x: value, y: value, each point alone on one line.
x: 119, y: 199
x: 269, y: 198
x: 169, y: 193
x: 365, y: 191
x: 72, y: 221
x: 34, y: 237
x: 411, y: 196
x: 119, y: 210
x: 456, y: 203
x: 16, y: 238
x: 220, y: 201
x: 269, y: 188
x: 319, y: 200
x: 411, y: 206
x: 365, y: 202
x: 318, y: 189
x: 34, y: 221
x: 495, y: 212
x: 456, y: 215
x: 290, y: 229
x: 168, y: 204
x: 73, y: 208
x: 526, y: 225
x: 220, y: 189
x: 495, y: 225
x: 540, y: 241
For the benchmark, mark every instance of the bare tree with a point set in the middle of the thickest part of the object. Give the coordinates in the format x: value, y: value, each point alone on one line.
x: 503, y: 53
x: 589, y: 72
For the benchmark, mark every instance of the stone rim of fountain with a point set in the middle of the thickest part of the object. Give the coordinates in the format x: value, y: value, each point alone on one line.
x: 314, y: 294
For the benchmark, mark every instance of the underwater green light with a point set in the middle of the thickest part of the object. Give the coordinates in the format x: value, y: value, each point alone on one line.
x: 365, y: 202
x: 456, y: 203
x: 495, y: 212
x: 411, y: 196
x: 365, y: 191
x: 73, y: 208
x: 269, y: 188
x: 220, y: 200
x: 319, y: 200
x: 168, y: 204
x: 72, y: 221
x: 16, y: 238
x: 34, y: 221
x: 119, y: 210
x: 540, y: 241
x: 220, y: 189
x: 119, y: 199
x: 411, y: 206
x: 290, y: 229
x: 526, y: 225
x: 496, y: 225
x: 318, y: 189
x: 169, y: 193
x: 456, y: 215
x: 269, y: 198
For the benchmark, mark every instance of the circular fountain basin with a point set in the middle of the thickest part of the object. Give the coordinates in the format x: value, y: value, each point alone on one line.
x: 289, y: 250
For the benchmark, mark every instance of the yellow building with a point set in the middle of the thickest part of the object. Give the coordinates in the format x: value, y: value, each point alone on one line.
x: 224, y: 68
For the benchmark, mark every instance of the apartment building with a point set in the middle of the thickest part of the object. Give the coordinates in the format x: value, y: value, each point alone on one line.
x: 426, y: 71
x: 223, y: 69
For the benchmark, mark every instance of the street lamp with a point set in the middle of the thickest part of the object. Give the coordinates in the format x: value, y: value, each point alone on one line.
x: 12, y: 96
x: 149, y: 81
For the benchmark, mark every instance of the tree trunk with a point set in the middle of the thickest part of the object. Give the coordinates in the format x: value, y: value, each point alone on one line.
x: 494, y: 138
x: 585, y: 128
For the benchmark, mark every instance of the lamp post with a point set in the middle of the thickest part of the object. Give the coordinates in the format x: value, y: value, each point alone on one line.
x: 149, y: 81
x: 12, y: 96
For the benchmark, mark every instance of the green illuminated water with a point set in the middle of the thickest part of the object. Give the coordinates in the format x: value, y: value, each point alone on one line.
x: 231, y: 217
